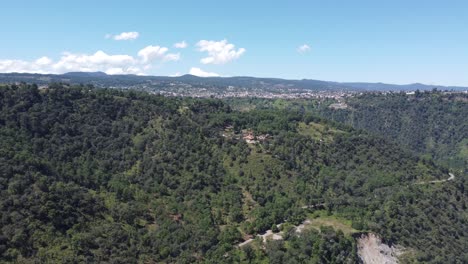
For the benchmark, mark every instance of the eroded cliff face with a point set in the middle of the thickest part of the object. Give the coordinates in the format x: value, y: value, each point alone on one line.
x: 372, y: 250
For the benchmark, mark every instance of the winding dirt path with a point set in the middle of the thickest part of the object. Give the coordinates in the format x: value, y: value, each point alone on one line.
x: 264, y: 236
x: 451, y: 178
x: 299, y: 228
x: 275, y: 236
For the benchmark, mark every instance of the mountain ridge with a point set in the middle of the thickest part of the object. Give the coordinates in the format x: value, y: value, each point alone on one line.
x: 103, y: 79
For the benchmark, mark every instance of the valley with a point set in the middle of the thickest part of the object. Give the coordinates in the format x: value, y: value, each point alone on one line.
x: 234, y: 132
x: 127, y: 176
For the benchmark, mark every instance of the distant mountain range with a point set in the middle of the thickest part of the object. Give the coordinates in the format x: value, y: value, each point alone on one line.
x: 101, y: 79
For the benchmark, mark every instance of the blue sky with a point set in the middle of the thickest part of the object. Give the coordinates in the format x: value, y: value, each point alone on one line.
x: 377, y: 41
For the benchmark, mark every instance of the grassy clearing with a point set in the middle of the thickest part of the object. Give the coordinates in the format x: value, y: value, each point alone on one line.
x: 320, y: 218
x: 463, y: 147
x: 317, y: 131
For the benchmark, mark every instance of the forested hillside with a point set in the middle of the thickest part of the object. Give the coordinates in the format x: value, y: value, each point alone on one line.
x: 95, y: 175
x: 433, y: 124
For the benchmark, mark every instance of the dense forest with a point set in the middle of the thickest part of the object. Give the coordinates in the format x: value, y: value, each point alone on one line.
x: 97, y: 175
x: 434, y: 124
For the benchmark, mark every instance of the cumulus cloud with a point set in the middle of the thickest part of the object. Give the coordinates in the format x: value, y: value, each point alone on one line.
x: 40, y: 65
x: 124, y: 36
x: 99, y: 61
x: 125, y: 70
x: 42, y: 61
x: 303, y: 48
x: 199, y: 72
x: 177, y: 74
x: 219, y: 52
x: 181, y: 45
x: 151, y: 53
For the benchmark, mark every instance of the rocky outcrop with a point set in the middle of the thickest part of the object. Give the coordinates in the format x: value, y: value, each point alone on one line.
x: 372, y: 250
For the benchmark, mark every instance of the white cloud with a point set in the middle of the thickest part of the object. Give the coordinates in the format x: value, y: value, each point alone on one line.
x: 199, y: 72
x: 99, y: 61
x: 129, y: 70
x: 219, y: 52
x: 152, y: 53
x: 303, y: 48
x: 37, y: 66
x: 172, y: 57
x: 181, y: 45
x: 43, y: 61
x: 177, y: 74
x: 124, y: 36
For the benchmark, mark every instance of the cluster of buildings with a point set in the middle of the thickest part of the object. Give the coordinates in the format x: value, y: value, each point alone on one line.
x: 247, y: 135
x: 215, y: 91
x: 250, y: 137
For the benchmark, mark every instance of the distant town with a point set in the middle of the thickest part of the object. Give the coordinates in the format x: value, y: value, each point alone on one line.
x: 223, y: 87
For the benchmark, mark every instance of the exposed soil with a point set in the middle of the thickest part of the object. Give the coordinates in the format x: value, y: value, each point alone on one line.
x: 372, y: 250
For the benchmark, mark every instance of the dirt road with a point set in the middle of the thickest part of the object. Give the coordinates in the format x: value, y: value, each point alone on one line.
x: 451, y: 178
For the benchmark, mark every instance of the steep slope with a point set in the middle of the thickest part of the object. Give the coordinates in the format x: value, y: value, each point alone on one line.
x: 430, y: 123
x: 109, y: 176
x: 372, y: 250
